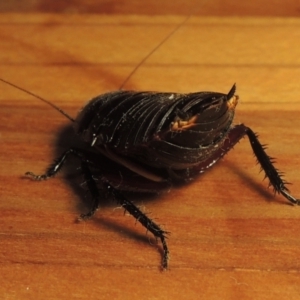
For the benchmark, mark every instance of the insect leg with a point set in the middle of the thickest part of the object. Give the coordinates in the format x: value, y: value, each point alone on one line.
x: 143, y: 219
x: 93, y: 189
x: 267, y: 164
x: 92, y: 186
x: 57, y: 165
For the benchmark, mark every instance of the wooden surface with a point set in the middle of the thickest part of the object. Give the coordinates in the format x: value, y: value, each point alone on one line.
x: 230, y: 238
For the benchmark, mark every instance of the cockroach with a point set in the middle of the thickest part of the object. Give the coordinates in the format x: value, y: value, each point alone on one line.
x: 152, y: 140
x: 148, y: 141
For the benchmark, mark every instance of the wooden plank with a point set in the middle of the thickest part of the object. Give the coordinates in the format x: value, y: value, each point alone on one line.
x: 229, y: 236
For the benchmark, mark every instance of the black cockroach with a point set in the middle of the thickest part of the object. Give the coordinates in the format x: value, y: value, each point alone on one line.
x: 151, y: 140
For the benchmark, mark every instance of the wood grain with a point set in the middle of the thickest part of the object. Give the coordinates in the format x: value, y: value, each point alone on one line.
x: 230, y: 238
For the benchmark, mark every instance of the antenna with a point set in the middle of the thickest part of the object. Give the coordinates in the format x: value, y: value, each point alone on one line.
x: 40, y: 98
x: 153, y: 50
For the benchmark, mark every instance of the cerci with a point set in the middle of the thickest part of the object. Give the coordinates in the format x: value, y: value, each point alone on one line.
x: 151, y: 140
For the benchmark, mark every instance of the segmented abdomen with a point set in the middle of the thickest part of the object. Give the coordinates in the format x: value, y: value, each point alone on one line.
x: 165, y: 130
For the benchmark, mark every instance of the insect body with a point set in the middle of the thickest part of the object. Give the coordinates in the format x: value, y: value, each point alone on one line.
x: 162, y: 130
x: 152, y: 140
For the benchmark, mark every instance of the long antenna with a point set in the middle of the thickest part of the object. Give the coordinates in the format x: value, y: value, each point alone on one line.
x: 153, y: 50
x: 40, y: 98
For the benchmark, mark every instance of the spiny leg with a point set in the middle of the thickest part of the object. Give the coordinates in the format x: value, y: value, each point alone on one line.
x: 265, y: 161
x: 267, y: 164
x: 127, y: 205
x: 143, y: 219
